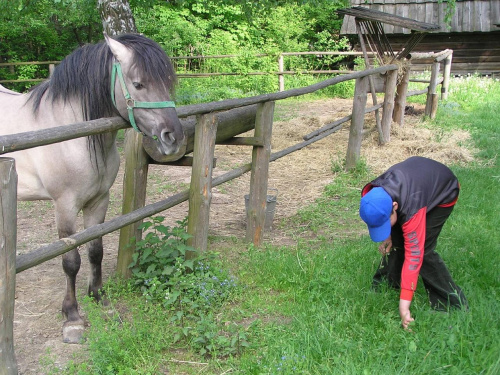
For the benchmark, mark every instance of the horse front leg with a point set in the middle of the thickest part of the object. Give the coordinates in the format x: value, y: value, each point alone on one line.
x: 95, y: 251
x: 73, y: 326
x: 94, y: 213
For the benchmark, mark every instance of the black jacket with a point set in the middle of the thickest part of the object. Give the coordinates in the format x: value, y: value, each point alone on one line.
x: 418, y: 185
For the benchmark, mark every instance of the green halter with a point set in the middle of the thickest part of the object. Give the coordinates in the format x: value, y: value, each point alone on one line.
x: 131, y: 103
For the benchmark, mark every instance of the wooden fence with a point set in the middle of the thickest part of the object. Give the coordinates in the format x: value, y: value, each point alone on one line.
x: 202, y: 136
x: 281, y: 73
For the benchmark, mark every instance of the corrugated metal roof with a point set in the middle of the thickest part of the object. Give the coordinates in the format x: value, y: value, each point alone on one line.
x: 469, y: 16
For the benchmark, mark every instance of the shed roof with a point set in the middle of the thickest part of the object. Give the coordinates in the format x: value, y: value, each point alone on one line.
x: 371, y: 23
x: 391, y: 19
x: 469, y: 16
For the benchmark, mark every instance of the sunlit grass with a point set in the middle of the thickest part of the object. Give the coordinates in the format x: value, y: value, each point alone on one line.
x: 308, y: 308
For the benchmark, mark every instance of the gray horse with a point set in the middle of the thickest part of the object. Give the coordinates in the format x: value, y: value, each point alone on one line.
x: 130, y: 76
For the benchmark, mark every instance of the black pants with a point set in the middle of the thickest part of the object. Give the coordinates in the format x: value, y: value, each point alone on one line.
x: 441, y: 289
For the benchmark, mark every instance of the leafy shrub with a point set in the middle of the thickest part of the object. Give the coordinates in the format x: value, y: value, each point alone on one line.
x: 157, y: 254
x: 192, y: 289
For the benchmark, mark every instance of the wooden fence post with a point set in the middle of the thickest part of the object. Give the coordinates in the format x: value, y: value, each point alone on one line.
x: 8, y: 235
x: 134, y: 197
x: 370, y: 78
x: 398, y: 115
x: 390, y: 93
x: 357, y: 122
x: 200, y: 191
x: 446, y: 76
x: 281, y: 77
x: 256, y: 213
x: 432, y: 96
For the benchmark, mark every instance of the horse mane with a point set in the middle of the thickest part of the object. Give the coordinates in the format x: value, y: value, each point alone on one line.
x: 85, y: 75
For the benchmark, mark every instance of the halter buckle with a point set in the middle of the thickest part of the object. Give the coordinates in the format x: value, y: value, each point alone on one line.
x: 130, y: 103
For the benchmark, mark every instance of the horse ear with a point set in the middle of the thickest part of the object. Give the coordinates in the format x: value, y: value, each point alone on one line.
x: 120, y: 52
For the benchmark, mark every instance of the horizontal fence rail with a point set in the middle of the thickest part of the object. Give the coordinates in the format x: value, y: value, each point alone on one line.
x: 279, y: 57
x: 444, y: 55
x: 22, y: 141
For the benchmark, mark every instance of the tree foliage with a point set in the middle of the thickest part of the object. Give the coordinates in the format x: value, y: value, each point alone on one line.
x: 45, y: 30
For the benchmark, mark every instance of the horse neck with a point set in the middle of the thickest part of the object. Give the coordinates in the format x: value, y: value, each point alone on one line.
x: 69, y: 111
x: 101, y: 147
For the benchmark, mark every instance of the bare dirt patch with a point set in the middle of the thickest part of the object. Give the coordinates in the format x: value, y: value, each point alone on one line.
x: 298, y: 179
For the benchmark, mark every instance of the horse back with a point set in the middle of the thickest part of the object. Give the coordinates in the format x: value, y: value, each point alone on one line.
x: 61, y: 169
x: 5, y: 90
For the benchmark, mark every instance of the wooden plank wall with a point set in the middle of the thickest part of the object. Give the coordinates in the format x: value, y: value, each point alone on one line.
x: 469, y: 16
x: 472, y: 52
x: 472, y: 34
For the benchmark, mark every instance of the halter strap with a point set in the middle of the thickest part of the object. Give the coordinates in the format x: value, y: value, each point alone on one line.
x: 131, y: 103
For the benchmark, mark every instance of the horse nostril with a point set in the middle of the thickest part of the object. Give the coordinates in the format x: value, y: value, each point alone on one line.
x: 167, y: 137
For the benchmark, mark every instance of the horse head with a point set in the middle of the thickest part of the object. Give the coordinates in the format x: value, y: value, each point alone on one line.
x: 141, y: 83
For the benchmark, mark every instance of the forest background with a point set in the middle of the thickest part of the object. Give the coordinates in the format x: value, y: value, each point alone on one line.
x: 48, y: 30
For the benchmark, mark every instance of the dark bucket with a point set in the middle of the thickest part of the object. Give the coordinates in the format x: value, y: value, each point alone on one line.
x: 271, y: 201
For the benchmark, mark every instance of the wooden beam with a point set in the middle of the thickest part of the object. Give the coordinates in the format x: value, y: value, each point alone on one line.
x: 63, y: 245
x: 134, y: 197
x: 22, y: 141
x: 8, y: 235
x: 337, y: 122
x: 400, y: 102
x: 222, y: 105
x: 417, y: 92
x: 256, y: 213
x: 371, y: 80
x: 35, y: 138
x: 229, y: 124
x: 432, y: 97
x: 357, y: 122
x: 390, y: 93
x: 200, y: 191
x: 446, y: 76
x: 186, y: 161
x: 243, y: 141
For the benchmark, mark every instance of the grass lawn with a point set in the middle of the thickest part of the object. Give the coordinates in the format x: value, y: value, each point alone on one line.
x: 308, y: 308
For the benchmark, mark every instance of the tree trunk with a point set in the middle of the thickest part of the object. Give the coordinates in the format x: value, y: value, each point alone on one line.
x: 116, y: 17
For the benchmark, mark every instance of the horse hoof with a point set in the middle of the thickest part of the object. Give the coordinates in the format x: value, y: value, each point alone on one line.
x: 73, y: 333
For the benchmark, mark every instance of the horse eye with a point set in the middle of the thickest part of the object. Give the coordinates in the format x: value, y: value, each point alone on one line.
x: 138, y: 85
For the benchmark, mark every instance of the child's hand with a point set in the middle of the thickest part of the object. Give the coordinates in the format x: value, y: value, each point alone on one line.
x: 404, y: 313
x: 386, y: 246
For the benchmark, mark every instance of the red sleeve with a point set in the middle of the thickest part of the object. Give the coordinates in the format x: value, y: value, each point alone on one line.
x: 414, y: 238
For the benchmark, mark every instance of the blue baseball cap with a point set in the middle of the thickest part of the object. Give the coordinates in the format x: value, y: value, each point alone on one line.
x: 375, y: 209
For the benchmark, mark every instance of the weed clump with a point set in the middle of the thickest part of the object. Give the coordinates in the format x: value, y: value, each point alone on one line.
x: 191, y: 287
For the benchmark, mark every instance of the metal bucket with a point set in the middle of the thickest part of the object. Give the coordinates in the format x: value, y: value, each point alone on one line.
x: 271, y: 200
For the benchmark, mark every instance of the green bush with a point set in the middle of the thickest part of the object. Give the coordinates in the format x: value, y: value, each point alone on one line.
x: 191, y: 289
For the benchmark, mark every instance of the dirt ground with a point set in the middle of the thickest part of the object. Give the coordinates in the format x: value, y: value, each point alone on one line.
x: 297, y: 179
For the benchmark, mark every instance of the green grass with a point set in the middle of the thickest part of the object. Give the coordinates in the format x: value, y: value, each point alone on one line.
x: 308, y: 308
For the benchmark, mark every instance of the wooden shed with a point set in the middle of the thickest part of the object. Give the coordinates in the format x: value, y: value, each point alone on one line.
x: 472, y: 32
